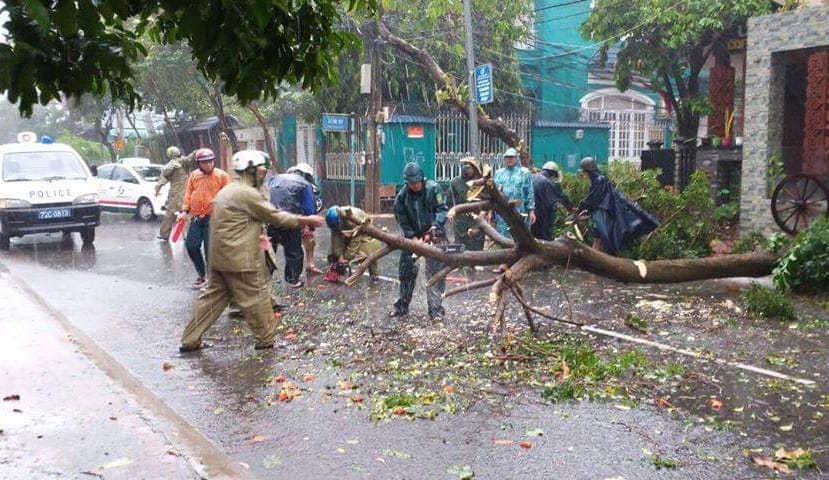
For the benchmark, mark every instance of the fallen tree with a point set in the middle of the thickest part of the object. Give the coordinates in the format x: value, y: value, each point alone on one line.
x: 524, y: 253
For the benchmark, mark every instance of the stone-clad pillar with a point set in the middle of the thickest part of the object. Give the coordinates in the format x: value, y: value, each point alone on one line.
x: 816, y: 130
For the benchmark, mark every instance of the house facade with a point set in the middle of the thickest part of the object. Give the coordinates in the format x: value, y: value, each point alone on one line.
x: 561, y: 71
x: 787, y: 106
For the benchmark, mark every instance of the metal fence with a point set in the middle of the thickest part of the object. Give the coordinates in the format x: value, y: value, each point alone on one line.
x: 630, y: 130
x: 452, y: 142
x: 338, y: 157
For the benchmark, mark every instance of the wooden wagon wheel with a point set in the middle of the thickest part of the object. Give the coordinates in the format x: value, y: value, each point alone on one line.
x: 797, y: 201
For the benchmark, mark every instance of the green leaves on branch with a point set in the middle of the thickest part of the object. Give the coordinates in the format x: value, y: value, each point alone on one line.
x: 68, y: 48
x: 73, y: 49
x: 666, y: 43
x: 805, y: 266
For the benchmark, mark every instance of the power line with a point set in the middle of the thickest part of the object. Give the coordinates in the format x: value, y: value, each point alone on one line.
x: 572, y: 2
x: 613, y: 37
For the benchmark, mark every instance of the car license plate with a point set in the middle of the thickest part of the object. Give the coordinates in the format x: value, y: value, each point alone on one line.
x: 53, y: 213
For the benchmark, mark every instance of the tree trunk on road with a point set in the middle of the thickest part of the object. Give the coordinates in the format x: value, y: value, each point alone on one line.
x: 527, y: 253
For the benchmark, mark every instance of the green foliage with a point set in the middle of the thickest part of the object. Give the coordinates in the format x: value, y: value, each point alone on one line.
x: 168, y: 81
x: 687, y: 228
x: 775, y: 171
x: 436, y: 26
x: 582, y: 367
x: 750, y: 242
x: 93, y: 152
x: 778, y: 242
x: 637, y: 323
x: 805, y: 266
x: 687, y: 218
x: 667, y: 43
x: 563, y: 391
x: 762, y: 302
x: 727, y: 211
x: 699, y: 105
x: 250, y: 47
x: 802, y: 460
x: 660, y: 462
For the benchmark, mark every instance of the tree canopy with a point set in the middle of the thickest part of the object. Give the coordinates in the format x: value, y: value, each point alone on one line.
x: 667, y: 43
x: 67, y: 48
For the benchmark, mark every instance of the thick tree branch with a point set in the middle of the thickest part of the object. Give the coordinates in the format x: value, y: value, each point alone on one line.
x: 486, y: 124
x: 490, y: 232
x: 374, y: 257
x: 518, y: 228
x: 436, y: 278
x: 492, y: 257
x: 471, y: 286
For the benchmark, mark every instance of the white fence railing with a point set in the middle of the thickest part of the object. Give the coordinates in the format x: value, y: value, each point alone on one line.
x: 452, y: 143
x: 337, y: 166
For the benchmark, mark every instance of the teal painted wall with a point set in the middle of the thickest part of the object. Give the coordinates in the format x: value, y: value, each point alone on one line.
x: 558, y: 144
x: 399, y: 149
x: 286, y: 143
x: 556, y: 68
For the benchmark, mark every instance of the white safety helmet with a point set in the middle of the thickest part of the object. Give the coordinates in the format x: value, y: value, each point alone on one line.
x: 302, y: 168
x: 511, y: 152
x: 173, y: 152
x: 551, y: 166
x: 245, y: 159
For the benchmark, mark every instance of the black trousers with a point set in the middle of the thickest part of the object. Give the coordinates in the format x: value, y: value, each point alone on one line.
x: 291, y: 241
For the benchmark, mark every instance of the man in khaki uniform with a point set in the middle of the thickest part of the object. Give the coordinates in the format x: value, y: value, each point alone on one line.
x: 348, y: 243
x: 175, y: 173
x: 236, y: 259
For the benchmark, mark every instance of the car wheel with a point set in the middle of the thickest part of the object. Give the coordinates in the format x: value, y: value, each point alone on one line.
x: 88, y: 235
x: 145, y: 210
x: 5, y: 241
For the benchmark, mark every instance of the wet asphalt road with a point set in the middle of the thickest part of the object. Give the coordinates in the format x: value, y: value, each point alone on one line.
x: 130, y: 294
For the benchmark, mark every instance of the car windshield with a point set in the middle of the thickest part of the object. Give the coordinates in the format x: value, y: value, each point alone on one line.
x: 148, y: 173
x: 29, y: 166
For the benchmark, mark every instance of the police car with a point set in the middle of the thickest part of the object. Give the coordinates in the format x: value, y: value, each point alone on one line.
x: 45, y: 187
x: 129, y: 187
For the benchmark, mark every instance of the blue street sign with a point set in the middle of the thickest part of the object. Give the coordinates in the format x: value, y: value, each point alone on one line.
x: 335, y: 122
x: 484, y: 89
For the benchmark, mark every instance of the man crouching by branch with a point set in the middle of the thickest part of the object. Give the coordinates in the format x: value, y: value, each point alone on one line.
x: 235, y: 256
x: 348, y: 243
x: 420, y: 210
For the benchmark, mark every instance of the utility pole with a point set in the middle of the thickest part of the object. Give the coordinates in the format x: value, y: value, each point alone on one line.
x: 470, y: 64
x: 375, y: 101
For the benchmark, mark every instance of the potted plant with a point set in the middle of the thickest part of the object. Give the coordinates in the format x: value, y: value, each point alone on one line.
x: 729, y: 124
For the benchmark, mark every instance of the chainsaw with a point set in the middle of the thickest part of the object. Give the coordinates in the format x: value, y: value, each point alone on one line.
x: 435, y: 237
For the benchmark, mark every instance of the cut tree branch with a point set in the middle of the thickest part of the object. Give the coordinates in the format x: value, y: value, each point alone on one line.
x: 374, y: 257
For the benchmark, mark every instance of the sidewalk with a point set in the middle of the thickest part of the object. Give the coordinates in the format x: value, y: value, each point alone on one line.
x: 71, y: 420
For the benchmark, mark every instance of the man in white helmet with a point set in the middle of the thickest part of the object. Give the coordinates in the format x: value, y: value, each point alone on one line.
x: 548, y: 195
x: 515, y: 183
x: 309, y: 239
x: 175, y: 172
x: 292, y: 192
x: 236, y: 258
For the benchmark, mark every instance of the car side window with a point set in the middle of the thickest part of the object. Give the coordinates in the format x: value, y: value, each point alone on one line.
x: 121, y: 174
x: 105, y: 172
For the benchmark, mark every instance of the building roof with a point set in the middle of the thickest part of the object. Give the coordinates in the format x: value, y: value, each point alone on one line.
x: 212, y: 122
x: 410, y: 119
x: 556, y: 124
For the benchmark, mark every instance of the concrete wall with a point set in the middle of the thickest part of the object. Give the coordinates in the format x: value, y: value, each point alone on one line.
x: 765, y: 75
